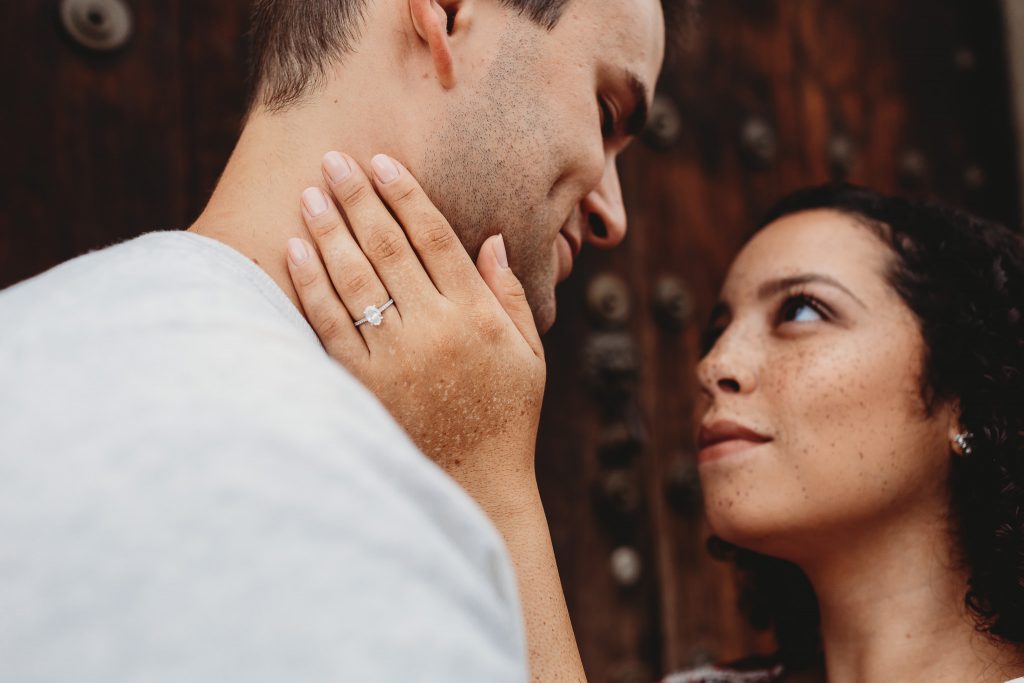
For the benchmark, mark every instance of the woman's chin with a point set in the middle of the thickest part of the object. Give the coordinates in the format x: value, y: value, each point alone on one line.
x: 749, y: 529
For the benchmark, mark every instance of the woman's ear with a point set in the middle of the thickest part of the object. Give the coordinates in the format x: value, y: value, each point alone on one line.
x: 431, y: 20
x: 959, y: 439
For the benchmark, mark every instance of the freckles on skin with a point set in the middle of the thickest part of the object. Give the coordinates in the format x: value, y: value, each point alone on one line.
x: 852, y: 443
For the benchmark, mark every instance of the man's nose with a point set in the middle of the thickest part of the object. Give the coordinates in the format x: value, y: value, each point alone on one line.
x: 603, y: 210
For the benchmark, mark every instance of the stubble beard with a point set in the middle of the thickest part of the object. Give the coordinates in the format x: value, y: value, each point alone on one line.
x: 489, y: 168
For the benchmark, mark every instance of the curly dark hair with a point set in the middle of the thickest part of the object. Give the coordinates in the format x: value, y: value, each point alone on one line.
x: 963, y: 278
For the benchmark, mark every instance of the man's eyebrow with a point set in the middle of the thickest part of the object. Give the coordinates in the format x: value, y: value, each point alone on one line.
x: 637, y: 119
x: 773, y: 287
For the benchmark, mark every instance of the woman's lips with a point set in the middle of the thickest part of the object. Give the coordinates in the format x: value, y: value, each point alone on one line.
x: 724, y: 437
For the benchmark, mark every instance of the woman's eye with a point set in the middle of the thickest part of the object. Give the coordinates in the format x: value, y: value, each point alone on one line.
x: 607, y: 118
x: 802, y: 309
x: 708, y: 339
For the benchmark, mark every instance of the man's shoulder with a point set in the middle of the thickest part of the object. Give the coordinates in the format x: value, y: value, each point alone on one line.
x: 159, y: 278
x: 157, y: 367
x: 174, y: 445
x: 173, y: 350
x: 181, y: 343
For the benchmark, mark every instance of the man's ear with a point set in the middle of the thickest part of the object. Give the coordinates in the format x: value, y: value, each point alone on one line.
x: 430, y: 18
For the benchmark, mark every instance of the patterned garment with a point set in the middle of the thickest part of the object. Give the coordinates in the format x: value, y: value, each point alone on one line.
x: 714, y: 674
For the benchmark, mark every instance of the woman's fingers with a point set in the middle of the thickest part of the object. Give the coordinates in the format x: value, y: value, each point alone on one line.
x: 324, y: 311
x: 380, y: 237
x: 353, y: 277
x: 493, y: 266
x: 437, y: 245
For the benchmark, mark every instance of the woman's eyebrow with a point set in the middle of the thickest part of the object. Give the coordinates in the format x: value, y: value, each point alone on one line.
x: 773, y: 287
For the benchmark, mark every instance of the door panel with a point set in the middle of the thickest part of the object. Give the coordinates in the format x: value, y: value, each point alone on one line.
x: 771, y: 96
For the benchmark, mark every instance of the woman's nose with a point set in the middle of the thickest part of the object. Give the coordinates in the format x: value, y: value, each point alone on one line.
x: 729, y: 367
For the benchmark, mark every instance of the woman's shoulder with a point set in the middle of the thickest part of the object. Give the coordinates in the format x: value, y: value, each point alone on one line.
x: 747, y: 671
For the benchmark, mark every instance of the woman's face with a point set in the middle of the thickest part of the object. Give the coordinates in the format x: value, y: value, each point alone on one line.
x: 814, y: 428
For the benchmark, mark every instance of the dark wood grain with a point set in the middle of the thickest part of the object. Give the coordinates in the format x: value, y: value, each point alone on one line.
x: 214, y: 58
x: 94, y: 149
x: 894, y: 79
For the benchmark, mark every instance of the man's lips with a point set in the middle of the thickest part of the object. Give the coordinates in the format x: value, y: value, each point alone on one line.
x: 568, y: 248
x: 722, y: 437
x: 575, y: 244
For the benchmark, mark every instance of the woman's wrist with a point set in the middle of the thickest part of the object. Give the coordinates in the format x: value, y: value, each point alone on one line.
x: 506, y: 490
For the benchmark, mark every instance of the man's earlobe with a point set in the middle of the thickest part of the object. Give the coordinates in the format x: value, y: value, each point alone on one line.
x: 431, y: 21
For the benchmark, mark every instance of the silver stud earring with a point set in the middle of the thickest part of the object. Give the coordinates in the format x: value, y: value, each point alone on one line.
x: 963, y: 442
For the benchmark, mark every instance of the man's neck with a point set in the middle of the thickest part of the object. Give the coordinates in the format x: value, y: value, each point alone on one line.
x: 255, y: 207
x: 892, y: 609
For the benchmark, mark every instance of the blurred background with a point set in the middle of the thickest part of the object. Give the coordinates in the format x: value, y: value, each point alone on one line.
x: 119, y: 115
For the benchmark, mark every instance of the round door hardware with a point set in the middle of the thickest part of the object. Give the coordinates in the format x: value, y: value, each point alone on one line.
x: 841, y: 155
x: 101, y: 25
x: 758, y: 142
x: 608, y: 300
x: 913, y: 169
x: 611, y: 364
x: 673, y: 303
x: 626, y: 565
x: 663, y: 123
x: 620, y: 494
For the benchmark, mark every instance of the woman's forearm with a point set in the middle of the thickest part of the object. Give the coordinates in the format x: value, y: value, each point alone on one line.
x: 518, y: 513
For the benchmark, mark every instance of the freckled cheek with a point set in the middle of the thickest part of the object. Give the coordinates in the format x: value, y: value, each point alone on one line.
x: 822, y: 402
x: 842, y: 415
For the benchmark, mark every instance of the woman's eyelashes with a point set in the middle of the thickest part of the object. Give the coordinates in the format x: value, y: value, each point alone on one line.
x: 797, y: 308
x: 801, y: 307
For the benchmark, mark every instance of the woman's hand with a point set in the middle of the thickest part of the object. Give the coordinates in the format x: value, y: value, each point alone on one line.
x: 456, y: 359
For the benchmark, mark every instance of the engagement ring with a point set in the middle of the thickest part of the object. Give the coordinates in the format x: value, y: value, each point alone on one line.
x: 374, y: 315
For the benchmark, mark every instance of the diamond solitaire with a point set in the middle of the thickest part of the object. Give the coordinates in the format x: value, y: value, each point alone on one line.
x: 374, y: 315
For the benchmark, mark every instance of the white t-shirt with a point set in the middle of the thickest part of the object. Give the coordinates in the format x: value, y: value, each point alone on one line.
x: 192, y: 490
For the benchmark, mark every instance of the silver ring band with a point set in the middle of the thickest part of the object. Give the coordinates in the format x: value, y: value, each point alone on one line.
x: 374, y: 315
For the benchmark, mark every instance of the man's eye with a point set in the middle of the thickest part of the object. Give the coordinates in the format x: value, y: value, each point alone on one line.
x: 802, y: 309
x: 607, y: 118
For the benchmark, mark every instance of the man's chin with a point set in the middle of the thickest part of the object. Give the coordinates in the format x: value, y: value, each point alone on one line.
x: 544, y: 309
x: 540, y: 294
x: 546, y: 322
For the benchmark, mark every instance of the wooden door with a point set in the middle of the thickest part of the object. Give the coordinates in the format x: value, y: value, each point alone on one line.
x: 770, y: 95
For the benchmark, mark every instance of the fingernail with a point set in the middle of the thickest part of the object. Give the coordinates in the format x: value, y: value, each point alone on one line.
x: 337, y: 167
x: 314, y: 200
x: 499, y: 252
x: 297, y: 250
x: 384, y: 168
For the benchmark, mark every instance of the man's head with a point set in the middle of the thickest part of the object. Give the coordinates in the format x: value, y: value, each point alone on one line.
x: 510, y: 112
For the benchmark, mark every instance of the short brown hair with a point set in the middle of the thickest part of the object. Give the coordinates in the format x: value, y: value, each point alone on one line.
x: 293, y: 42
